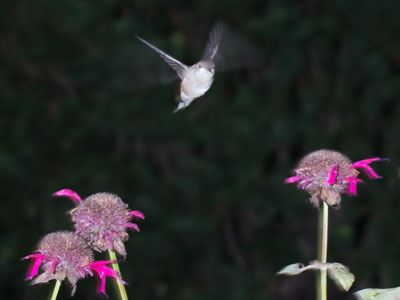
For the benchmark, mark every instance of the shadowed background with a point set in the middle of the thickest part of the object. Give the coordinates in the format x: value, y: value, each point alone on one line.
x: 219, y: 220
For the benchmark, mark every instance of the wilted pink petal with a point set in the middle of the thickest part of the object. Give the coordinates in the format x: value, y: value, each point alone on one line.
x: 364, y: 165
x: 69, y: 194
x: 54, y: 264
x: 292, y: 179
x: 353, y: 184
x: 333, y: 175
x: 132, y: 225
x: 34, y: 267
x: 137, y: 214
x: 101, y: 268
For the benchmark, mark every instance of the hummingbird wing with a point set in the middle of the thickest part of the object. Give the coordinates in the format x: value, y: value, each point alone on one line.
x: 213, y: 41
x: 175, y: 64
x: 235, y: 51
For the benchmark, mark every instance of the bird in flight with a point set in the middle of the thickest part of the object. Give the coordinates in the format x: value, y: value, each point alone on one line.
x: 196, y: 79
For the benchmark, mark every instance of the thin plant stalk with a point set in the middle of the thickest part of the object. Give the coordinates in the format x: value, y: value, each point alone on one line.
x: 120, y: 285
x: 322, y: 251
x: 56, y: 288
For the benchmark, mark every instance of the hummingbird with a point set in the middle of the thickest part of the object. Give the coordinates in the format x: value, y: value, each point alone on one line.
x: 196, y: 79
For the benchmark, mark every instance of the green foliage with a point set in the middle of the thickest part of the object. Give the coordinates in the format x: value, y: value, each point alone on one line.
x: 339, y: 273
x: 378, y: 294
x: 294, y: 269
x: 219, y: 220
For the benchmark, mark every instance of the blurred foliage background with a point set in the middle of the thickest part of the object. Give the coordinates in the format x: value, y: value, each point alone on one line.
x: 219, y: 220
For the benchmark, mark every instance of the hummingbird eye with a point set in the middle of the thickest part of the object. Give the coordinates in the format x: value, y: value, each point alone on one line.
x: 212, y: 70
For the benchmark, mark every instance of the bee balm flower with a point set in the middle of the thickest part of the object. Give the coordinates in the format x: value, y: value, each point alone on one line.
x: 65, y: 255
x: 326, y: 174
x: 102, y: 219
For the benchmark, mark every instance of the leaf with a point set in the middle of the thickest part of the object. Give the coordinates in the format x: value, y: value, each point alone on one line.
x: 292, y: 269
x: 295, y: 269
x: 379, y: 294
x: 341, y: 275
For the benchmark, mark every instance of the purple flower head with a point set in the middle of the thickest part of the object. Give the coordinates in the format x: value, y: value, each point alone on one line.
x: 65, y: 255
x: 326, y: 174
x: 102, y: 220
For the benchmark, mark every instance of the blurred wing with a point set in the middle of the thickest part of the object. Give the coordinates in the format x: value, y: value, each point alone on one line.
x: 134, y: 68
x: 236, y: 52
x: 175, y: 64
x: 213, y: 41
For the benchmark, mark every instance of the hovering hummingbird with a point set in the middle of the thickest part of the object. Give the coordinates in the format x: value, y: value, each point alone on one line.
x: 196, y: 79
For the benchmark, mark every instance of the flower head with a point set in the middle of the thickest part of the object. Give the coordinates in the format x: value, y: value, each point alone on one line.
x: 65, y: 255
x: 102, y: 220
x: 326, y: 174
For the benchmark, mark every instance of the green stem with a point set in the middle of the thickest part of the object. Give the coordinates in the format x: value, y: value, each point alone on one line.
x: 322, y: 250
x: 120, y: 285
x: 55, y: 290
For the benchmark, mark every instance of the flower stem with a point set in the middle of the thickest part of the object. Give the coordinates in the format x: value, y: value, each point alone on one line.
x: 55, y: 290
x: 120, y: 285
x: 322, y: 250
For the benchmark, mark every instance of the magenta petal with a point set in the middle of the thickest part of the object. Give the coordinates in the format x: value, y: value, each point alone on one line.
x: 34, y: 267
x: 137, y: 214
x: 133, y: 226
x: 292, y: 179
x: 101, y: 268
x: 69, y: 194
x: 353, y: 184
x: 364, y: 165
x: 333, y: 175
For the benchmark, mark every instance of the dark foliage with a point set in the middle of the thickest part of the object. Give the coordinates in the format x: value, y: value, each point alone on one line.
x: 74, y: 113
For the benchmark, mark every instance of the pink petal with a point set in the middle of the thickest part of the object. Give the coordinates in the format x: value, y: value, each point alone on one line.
x: 54, y: 264
x: 333, y: 175
x: 101, y: 268
x: 34, y: 267
x: 133, y: 226
x: 364, y: 165
x: 69, y: 194
x: 353, y: 184
x: 292, y: 179
x: 137, y: 214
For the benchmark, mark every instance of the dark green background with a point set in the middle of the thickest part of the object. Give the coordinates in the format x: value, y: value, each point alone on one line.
x: 219, y: 220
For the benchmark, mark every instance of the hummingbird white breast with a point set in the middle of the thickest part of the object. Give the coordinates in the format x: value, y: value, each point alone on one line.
x: 196, y: 82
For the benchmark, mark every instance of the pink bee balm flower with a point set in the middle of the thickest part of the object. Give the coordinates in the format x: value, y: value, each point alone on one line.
x: 102, y: 220
x: 326, y: 174
x: 65, y: 255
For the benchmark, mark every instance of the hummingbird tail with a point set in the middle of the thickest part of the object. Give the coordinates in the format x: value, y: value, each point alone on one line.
x: 181, y: 106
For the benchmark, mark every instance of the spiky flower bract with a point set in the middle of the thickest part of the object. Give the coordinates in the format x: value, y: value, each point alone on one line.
x: 65, y: 255
x: 103, y: 219
x: 326, y: 174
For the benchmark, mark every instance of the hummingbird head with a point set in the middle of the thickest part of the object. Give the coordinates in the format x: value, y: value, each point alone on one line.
x: 207, y: 64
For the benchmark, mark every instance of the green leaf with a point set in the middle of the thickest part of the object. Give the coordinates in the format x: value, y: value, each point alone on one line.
x: 379, y: 294
x: 341, y: 275
x: 298, y: 268
x: 292, y: 269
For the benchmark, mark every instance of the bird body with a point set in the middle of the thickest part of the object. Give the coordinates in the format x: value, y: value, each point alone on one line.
x: 196, y: 82
x: 196, y: 79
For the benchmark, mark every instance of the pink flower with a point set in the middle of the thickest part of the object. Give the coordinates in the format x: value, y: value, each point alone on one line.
x: 325, y: 174
x: 102, y: 220
x: 65, y: 255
